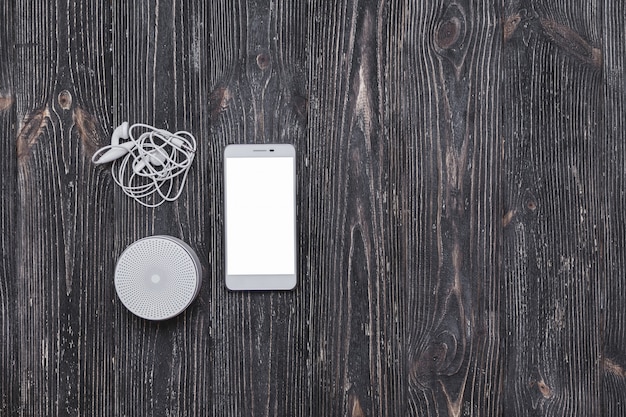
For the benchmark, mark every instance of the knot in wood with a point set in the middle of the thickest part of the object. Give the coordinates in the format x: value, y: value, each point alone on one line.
x: 430, y: 364
x: 263, y: 61
x: 510, y: 25
x: 572, y: 42
x: 542, y: 388
x: 218, y: 101
x: 450, y: 30
x: 530, y: 202
x: 448, y: 33
x: 65, y: 99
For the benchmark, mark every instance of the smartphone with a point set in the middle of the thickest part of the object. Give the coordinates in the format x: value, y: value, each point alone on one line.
x: 260, y: 220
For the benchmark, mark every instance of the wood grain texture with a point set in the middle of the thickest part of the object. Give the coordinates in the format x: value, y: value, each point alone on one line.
x: 353, y: 296
x: 461, y: 200
x: 60, y: 81
x: 9, y: 381
x: 613, y: 247
x: 161, y: 368
x: 257, y: 63
x: 553, y: 171
x: 446, y: 202
x: 228, y: 72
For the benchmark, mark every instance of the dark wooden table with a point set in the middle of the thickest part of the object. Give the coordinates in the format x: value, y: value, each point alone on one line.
x: 462, y: 207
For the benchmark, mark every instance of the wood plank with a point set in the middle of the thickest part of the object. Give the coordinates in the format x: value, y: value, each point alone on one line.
x: 614, y: 354
x: 63, y: 315
x: 9, y: 381
x: 446, y: 199
x: 553, y: 193
x: 161, y: 368
x: 257, y: 62
x: 355, y: 338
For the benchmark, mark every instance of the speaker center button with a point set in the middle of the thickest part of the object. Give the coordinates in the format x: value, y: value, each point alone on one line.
x: 155, y: 278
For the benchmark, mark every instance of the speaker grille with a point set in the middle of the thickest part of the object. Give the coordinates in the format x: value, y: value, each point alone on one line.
x: 157, y: 277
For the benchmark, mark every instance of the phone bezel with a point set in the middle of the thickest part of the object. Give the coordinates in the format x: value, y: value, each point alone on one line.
x: 260, y: 282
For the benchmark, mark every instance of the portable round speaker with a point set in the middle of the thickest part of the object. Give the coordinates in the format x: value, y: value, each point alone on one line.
x: 157, y: 277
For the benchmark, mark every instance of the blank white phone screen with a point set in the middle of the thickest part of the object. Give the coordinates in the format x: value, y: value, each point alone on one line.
x: 260, y: 221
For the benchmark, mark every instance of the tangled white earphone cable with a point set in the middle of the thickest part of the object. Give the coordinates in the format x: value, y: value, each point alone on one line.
x: 151, y: 166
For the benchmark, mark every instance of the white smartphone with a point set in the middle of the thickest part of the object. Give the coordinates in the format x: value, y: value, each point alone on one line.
x: 260, y: 220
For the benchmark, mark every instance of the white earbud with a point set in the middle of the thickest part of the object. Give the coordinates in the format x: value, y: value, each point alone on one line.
x: 115, y: 150
x: 112, y: 153
x: 120, y: 132
x: 153, y: 158
x: 150, y: 163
